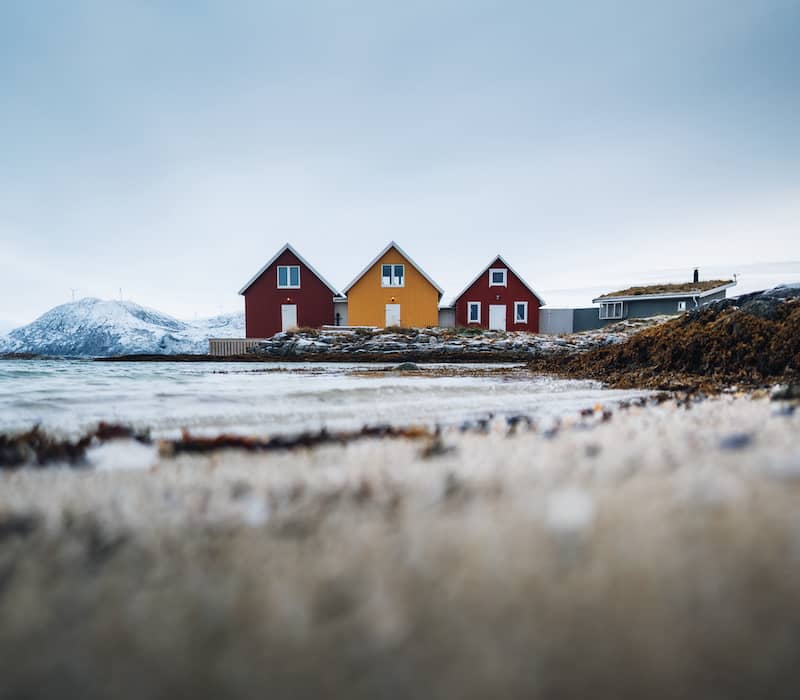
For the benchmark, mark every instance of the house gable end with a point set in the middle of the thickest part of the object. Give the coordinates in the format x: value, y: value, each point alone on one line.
x: 377, y: 260
x: 287, y: 253
x: 402, y: 294
x: 482, y: 280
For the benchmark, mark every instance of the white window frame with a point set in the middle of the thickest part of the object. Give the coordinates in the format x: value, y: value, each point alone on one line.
x: 681, y: 306
x: 525, y: 305
x: 492, y: 283
x: 288, y: 284
x: 393, y: 281
x: 470, y: 304
x: 610, y: 310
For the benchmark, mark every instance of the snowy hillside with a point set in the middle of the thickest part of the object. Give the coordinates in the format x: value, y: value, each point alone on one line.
x: 97, y: 328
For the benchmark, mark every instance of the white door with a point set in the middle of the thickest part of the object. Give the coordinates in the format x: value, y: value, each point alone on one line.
x: 497, y: 317
x: 288, y: 316
x: 392, y: 315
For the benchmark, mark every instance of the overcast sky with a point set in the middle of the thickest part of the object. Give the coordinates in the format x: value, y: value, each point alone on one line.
x: 169, y: 148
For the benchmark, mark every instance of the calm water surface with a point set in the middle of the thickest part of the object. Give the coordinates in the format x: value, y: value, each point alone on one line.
x: 72, y: 396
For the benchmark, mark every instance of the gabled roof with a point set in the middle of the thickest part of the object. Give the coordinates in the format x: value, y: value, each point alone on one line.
x: 510, y: 269
x: 300, y: 258
x: 394, y: 245
x: 668, y: 291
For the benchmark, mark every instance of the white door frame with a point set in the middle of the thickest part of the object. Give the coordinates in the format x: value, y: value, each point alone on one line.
x: 288, y: 316
x: 497, y: 317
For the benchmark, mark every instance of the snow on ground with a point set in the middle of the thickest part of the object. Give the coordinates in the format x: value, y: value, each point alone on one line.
x: 441, y: 343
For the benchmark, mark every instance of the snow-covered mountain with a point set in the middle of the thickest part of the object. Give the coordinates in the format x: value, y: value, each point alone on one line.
x: 97, y: 328
x: 6, y: 326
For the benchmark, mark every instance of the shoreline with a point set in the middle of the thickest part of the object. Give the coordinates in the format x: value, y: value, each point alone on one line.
x: 567, y: 365
x: 338, y: 358
x: 350, y: 569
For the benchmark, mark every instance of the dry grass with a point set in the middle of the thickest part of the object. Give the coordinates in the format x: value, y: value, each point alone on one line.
x: 682, y: 287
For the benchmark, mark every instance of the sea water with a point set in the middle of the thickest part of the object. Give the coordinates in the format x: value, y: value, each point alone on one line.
x: 69, y: 397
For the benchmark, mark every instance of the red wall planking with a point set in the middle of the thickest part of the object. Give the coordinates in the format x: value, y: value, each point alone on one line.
x: 263, y: 300
x: 486, y: 295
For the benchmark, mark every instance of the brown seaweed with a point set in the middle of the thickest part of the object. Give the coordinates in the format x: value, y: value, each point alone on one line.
x: 37, y: 448
x: 189, y: 443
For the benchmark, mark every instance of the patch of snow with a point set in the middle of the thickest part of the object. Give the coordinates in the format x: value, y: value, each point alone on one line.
x: 256, y: 511
x: 122, y: 454
x: 569, y: 510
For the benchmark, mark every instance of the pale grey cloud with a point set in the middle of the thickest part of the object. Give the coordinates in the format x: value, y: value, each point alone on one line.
x: 168, y: 149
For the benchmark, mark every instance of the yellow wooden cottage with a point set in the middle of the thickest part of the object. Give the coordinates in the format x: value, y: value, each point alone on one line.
x: 393, y: 291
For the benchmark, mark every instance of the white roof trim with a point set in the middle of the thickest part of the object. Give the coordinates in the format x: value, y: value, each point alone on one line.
x: 718, y: 289
x: 668, y: 295
x: 511, y: 269
x: 288, y: 247
x: 391, y: 245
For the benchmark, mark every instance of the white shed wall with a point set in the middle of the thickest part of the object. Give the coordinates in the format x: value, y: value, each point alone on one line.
x: 447, y: 318
x: 340, y: 307
x: 555, y: 321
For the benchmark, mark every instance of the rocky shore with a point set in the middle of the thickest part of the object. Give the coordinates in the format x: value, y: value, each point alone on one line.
x: 749, y: 341
x: 752, y: 340
x: 430, y: 344
x: 416, y: 345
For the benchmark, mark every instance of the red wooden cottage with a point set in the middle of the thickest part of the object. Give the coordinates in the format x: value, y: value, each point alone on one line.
x: 498, y: 299
x: 286, y: 293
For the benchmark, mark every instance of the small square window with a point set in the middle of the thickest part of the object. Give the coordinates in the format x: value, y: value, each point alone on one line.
x: 473, y: 312
x: 288, y: 276
x: 520, y: 312
x: 497, y: 277
x: 681, y: 306
x: 392, y: 275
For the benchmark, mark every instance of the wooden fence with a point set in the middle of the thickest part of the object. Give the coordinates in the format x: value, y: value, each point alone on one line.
x: 224, y: 347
